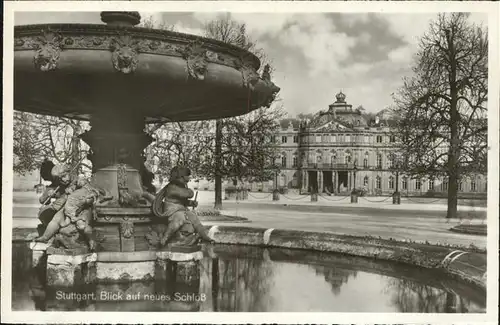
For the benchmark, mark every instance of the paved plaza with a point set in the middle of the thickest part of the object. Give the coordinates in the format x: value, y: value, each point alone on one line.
x: 423, y: 222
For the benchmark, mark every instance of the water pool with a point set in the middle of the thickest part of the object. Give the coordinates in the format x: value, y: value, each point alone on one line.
x: 249, y: 279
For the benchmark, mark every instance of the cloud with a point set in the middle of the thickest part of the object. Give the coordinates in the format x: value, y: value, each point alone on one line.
x: 322, y: 46
x: 315, y: 55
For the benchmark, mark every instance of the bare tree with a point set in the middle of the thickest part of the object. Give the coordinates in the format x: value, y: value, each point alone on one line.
x: 229, y: 31
x: 236, y: 148
x: 443, y: 126
x: 39, y: 137
x: 188, y: 144
x: 150, y: 22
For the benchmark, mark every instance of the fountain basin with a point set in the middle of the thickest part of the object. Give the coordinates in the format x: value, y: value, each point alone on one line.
x: 255, y: 279
x: 79, y: 70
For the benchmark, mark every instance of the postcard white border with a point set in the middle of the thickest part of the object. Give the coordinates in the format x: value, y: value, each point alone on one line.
x: 491, y: 8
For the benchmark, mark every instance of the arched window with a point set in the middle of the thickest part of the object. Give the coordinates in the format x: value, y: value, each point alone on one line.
x: 347, y: 157
x: 379, y: 160
x: 431, y: 184
x: 473, y: 185
x: 295, y: 161
x: 319, y: 157
x: 365, y: 160
x: 444, y: 186
x: 283, y: 161
x: 418, y: 184
x: 391, y: 182
x: 333, y: 157
x: 378, y: 182
x: 390, y: 158
x: 365, y: 181
x: 404, y: 184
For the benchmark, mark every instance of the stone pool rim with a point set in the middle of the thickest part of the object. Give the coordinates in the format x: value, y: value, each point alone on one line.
x: 425, y: 255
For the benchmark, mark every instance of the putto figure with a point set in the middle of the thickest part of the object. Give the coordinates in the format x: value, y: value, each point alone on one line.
x: 69, y: 216
x: 171, y: 206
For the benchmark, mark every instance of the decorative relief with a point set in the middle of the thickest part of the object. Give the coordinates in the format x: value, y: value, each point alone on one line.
x: 248, y: 73
x: 99, y: 236
x: 127, y: 229
x: 266, y: 73
x: 48, y: 49
x: 197, y: 60
x: 154, y: 235
x: 125, y: 53
x: 122, y: 176
x: 126, y: 48
x: 274, y: 90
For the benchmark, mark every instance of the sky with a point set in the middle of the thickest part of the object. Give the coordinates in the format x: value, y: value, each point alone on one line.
x: 315, y: 55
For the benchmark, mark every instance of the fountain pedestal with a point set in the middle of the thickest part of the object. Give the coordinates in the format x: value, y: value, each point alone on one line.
x: 73, y: 267
x: 70, y: 267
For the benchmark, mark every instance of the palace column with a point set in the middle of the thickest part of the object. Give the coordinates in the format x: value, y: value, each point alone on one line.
x: 320, y: 181
x: 306, y: 180
x: 333, y: 181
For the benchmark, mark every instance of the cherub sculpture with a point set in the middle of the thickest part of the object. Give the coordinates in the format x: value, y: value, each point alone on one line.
x: 171, y: 206
x: 70, y: 215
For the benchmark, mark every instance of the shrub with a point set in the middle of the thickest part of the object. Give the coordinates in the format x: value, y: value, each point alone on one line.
x: 359, y: 191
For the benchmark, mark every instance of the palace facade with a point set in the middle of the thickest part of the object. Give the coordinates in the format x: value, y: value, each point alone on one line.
x: 343, y: 148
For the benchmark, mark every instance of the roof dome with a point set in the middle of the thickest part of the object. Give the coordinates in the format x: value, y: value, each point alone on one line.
x: 340, y: 97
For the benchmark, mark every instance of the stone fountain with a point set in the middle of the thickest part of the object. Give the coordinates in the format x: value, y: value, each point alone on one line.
x: 120, y: 78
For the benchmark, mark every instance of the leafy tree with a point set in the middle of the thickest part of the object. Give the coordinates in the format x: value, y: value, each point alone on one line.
x: 443, y: 125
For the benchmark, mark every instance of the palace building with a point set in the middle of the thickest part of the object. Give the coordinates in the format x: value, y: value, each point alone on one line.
x: 343, y: 148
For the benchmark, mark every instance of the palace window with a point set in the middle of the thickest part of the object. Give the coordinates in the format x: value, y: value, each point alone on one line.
x: 273, y: 138
x: 295, y: 139
x: 333, y: 138
x: 378, y: 183
x: 418, y: 184
x: 284, y: 139
x: 365, y: 163
x: 379, y: 139
x: 379, y: 161
x: 347, y: 138
x: 431, y: 185
x: 333, y: 158
x: 318, y: 138
x: 347, y: 157
x: 391, y: 182
x: 392, y: 138
x: 294, y: 161
x: 473, y: 185
x: 391, y: 161
x: 460, y: 186
x: 283, y: 161
x: 365, y: 181
x: 404, y: 184
x: 445, y: 184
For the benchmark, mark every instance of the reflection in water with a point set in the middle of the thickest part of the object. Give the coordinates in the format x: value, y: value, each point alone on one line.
x: 411, y: 297
x: 336, y: 277
x: 244, y: 281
